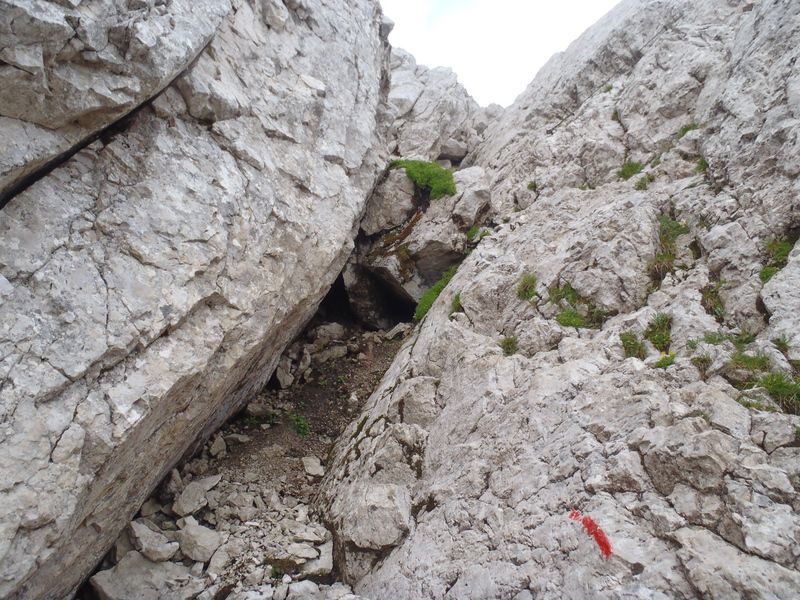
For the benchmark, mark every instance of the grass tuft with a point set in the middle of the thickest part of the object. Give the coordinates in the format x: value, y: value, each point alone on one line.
x: 686, y: 129
x: 430, y: 177
x: 659, y: 331
x: 664, y: 261
x: 633, y: 346
x: 629, y: 169
x: 778, y: 250
x: 526, y: 290
x: 533, y: 186
x: 300, y: 424
x: 665, y: 361
x: 711, y: 300
x: 702, y: 165
x: 569, y: 317
x: 430, y: 296
x: 784, y: 390
x: 509, y: 345
x: 703, y: 363
x: 759, y: 362
x: 455, y: 304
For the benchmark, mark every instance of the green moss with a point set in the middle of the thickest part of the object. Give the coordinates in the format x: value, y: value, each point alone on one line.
x: 509, y: 345
x: 629, y: 169
x: 430, y: 177
x: 633, y: 346
x: 659, y: 331
x: 702, y: 165
x: 784, y: 390
x: 430, y: 296
x: 570, y: 317
x: 665, y: 361
x: 526, y: 290
x: 759, y: 362
x: 455, y: 304
x: 686, y: 129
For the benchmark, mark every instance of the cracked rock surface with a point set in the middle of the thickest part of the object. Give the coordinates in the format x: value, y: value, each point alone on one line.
x: 150, y: 283
x: 469, y: 458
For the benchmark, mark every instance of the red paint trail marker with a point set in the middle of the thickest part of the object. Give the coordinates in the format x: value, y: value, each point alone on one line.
x: 593, y: 529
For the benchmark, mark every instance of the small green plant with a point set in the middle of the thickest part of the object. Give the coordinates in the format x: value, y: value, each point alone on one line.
x: 608, y: 88
x: 669, y: 230
x: 642, y: 184
x: 533, y: 186
x: 455, y: 304
x: 472, y: 232
x: 633, y: 346
x: 703, y: 363
x: 742, y: 339
x: 526, y: 290
x: 565, y: 291
x: 778, y: 250
x: 656, y: 161
x: 702, y: 165
x: 715, y: 338
x: 430, y: 296
x: 686, y: 129
x: 430, y: 177
x: 665, y: 361
x: 276, y: 572
x: 615, y: 116
x: 784, y: 390
x: 509, y: 345
x: 629, y: 169
x: 748, y: 403
x: 782, y: 344
x: 300, y: 424
x: 711, y: 300
x: 659, y: 331
x: 748, y: 362
x: 569, y: 317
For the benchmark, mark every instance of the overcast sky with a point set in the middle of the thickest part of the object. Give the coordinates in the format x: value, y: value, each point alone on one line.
x: 495, y: 46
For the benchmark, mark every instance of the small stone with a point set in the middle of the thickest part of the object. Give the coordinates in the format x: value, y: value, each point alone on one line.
x: 154, y: 546
x: 150, y: 508
x: 193, y: 498
x: 398, y: 330
x: 332, y: 353
x: 313, y: 466
x: 197, y: 542
x: 305, y: 551
x: 304, y: 590
x: 218, y: 448
x: 322, y: 566
x: 237, y: 438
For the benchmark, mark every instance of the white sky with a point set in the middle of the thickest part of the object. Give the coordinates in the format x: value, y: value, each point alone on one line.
x: 494, y: 46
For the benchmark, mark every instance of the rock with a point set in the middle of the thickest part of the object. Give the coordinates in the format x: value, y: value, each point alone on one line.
x: 322, y: 566
x: 313, y: 466
x: 150, y: 508
x: 304, y: 590
x: 329, y: 354
x: 333, y: 331
x: 136, y: 578
x: 72, y: 72
x: 398, y: 330
x: 237, y: 438
x: 392, y: 203
x: 219, y: 212
x: 197, y: 542
x: 302, y: 551
x: 193, y: 497
x: 154, y: 546
x: 218, y: 449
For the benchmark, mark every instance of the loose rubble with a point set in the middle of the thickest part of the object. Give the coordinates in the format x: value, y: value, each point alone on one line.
x: 237, y: 518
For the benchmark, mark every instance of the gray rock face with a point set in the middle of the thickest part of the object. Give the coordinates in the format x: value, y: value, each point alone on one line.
x: 70, y: 69
x: 151, y: 282
x: 694, y: 485
x: 136, y: 578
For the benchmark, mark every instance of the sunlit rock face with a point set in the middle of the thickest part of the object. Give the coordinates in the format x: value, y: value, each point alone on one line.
x: 150, y: 283
x: 467, y: 463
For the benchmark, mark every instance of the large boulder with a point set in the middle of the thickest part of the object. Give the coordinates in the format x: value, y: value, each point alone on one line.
x: 150, y: 283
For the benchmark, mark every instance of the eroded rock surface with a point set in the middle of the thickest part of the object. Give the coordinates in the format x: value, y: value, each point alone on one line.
x: 499, y: 419
x: 150, y: 283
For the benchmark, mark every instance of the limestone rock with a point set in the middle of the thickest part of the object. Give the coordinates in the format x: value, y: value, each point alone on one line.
x: 312, y: 466
x: 136, y: 578
x: 193, y: 497
x: 151, y: 281
x: 154, y: 546
x: 197, y: 542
